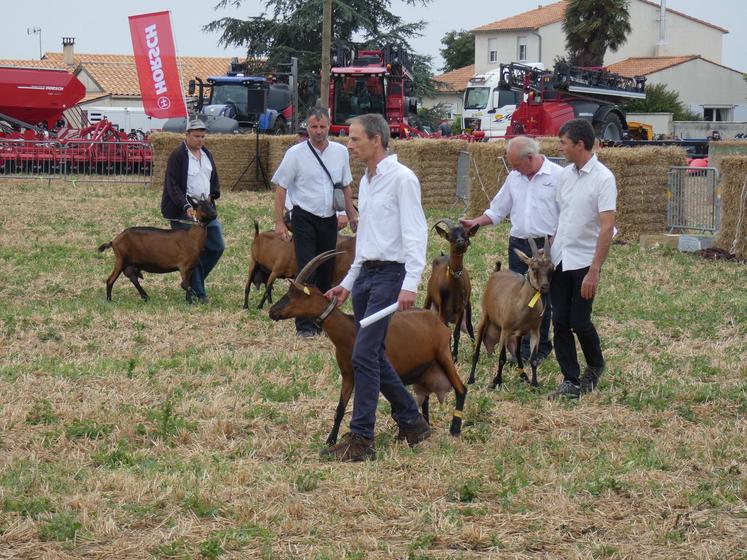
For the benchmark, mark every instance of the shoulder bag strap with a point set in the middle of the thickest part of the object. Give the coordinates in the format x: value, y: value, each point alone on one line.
x: 313, y: 151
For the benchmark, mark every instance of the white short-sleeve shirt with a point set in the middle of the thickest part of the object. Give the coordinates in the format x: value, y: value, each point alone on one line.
x: 582, y: 195
x: 198, y: 175
x: 305, y: 180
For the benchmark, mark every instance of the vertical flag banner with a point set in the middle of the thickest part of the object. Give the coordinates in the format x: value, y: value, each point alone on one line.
x: 155, y: 59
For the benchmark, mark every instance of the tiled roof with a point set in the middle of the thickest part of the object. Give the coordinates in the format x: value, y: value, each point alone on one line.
x: 553, y: 13
x: 456, y: 80
x: 533, y: 19
x: 116, y: 74
x: 643, y: 66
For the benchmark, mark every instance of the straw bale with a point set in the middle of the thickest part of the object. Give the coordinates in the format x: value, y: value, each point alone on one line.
x: 733, y: 234
x: 641, y: 195
x: 717, y: 151
x: 232, y: 152
x: 277, y: 146
x: 487, y: 172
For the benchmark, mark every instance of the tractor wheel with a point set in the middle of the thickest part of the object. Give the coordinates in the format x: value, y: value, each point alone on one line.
x: 610, y: 128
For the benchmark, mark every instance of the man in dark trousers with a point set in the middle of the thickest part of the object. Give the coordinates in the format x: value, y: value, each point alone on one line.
x: 389, y: 259
x: 302, y: 176
x: 587, y: 196
x: 191, y: 171
x: 528, y: 196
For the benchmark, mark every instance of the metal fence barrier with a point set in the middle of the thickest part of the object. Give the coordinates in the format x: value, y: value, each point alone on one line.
x: 694, y: 203
x: 77, y: 160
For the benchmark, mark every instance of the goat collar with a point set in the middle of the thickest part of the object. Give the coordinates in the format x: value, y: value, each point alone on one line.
x: 526, y: 279
x: 537, y: 294
x: 454, y: 273
x: 191, y: 222
x: 327, y: 311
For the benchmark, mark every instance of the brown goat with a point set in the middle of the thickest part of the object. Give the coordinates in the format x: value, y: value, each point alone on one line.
x: 449, y: 288
x: 512, y: 308
x: 417, y: 344
x: 273, y: 258
x: 157, y: 250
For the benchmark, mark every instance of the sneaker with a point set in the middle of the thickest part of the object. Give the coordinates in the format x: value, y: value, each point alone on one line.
x: 351, y: 449
x: 565, y: 390
x: 590, y: 378
x: 420, y: 431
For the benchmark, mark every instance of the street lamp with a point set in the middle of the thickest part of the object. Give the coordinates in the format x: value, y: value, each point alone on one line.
x: 36, y: 31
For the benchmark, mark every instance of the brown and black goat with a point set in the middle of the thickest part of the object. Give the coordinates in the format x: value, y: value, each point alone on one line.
x: 449, y: 288
x: 512, y: 308
x: 156, y: 250
x: 417, y: 344
x: 273, y: 258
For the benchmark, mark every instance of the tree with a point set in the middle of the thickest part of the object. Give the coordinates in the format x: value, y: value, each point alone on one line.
x: 458, y: 51
x: 660, y: 99
x: 294, y: 28
x: 593, y: 26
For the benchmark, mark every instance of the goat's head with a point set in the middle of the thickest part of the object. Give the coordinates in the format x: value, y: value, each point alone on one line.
x: 204, y: 209
x: 455, y: 234
x: 301, y: 299
x: 540, y: 267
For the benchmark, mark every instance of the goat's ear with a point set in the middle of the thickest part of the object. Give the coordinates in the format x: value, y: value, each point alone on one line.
x: 522, y: 256
x: 473, y: 230
x: 441, y: 231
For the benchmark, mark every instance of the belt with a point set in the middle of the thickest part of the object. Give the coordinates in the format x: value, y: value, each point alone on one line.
x: 541, y: 238
x: 377, y: 264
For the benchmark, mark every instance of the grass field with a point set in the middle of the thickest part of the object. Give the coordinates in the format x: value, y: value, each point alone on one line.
x: 137, y: 430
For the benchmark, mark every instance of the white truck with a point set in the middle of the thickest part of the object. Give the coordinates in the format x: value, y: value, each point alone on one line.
x: 487, y: 108
x: 128, y: 119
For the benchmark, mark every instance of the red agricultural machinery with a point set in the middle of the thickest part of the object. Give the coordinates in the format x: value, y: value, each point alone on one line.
x: 38, y: 110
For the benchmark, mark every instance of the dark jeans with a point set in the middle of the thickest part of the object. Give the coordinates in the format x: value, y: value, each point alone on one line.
x: 517, y: 265
x: 211, y: 253
x: 373, y: 290
x: 313, y: 235
x: 572, y: 314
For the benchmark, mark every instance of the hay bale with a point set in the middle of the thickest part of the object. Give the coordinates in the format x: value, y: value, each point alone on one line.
x: 487, y: 171
x: 435, y: 164
x: 733, y: 234
x: 277, y: 146
x: 717, y: 151
x: 642, y: 193
x: 233, y: 154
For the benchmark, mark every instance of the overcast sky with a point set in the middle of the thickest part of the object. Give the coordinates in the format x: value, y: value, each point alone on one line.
x: 100, y: 26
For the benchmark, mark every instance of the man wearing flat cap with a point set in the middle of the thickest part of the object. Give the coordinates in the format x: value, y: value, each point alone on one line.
x: 191, y: 172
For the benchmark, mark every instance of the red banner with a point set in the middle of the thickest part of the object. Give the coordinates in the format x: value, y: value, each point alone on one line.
x: 155, y: 59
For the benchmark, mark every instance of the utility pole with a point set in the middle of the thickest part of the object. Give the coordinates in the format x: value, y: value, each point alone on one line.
x: 326, y: 48
x: 36, y: 31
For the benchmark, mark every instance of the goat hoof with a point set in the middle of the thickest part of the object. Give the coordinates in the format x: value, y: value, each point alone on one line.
x: 470, y: 381
x: 524, y: 377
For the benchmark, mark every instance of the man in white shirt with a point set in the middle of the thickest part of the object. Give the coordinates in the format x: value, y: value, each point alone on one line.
x: 528, y: 196
x: 587, y: 197
x: 313, y: 219
x: 389, y: 259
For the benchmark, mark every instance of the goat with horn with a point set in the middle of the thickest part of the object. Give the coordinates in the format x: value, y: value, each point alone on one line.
x: 449, y: 287
x: 417, y: 345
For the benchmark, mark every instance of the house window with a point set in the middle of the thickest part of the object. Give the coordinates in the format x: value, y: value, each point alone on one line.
x: 493, y: 50
x: 522, y: 50
x: 717, y: 114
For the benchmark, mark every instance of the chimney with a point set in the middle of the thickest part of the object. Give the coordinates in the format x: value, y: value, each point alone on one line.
x: 68, y: 51
x: 661, y: 46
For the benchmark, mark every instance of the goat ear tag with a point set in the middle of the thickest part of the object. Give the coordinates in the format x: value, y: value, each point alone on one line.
x: 307, y: 292
x: 533, y: 301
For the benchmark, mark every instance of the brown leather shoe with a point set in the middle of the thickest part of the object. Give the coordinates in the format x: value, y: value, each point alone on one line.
x: 352, y: 448
x: 417, y: 433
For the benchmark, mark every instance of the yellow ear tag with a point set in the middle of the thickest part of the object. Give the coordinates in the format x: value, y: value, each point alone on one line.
x: 307, y: 292
x: 533, y: 301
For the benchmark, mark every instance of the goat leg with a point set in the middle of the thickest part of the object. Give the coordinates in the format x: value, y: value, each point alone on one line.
x: 533, y: 359
x: 470, y: 329
x: 476, y: 354
x: 248, y: 286
x: 345, y: 392
x: 186, y: 274
x: 520, y: 360
x: 268, y: 289
x: 456, y: 419
x: 133, y: 273
x: 113, y: 278
x: 501, y: 362
x: 457, y: 333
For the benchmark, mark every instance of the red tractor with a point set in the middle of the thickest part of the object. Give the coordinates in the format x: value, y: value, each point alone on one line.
x: 375, y: 81
x: 552, y: 97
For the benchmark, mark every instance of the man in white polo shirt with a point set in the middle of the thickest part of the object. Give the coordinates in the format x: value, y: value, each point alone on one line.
x: 389, y: 259
x: 529, y: 196
x: 302, y: 176
x: 587, y: 198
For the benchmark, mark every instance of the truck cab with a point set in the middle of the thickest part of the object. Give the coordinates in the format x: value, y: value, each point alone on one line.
x: 488, y: 108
